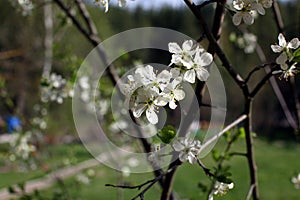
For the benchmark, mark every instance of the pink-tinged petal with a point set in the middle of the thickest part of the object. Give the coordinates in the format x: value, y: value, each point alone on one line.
x: 190, y: 76
x: 151, y: 115
x: 248, y: 18
x: 187, y: 45
x: 294, y: 43
x: 174, y: 48
x: 276, y: 48
x: 237, y: 18
x: 281, y: 39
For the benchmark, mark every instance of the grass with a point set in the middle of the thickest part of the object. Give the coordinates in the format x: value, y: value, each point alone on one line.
x: 277, y: 162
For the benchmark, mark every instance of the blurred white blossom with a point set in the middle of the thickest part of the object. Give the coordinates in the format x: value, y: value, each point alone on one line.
x: 220, y: 189
x: 296, y: 181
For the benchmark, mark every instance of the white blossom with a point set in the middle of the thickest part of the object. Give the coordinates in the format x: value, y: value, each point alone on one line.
x: 190, y: 61
x: 146, y: 102
x: 188, y: 149
x: 285, y: 58
x: 173, y: 92
x: 54, y: 89
x: 284, y: 46
x: 82, y: 178
x: 197, y: 70
x: 105, y: 3
x: 246, y: 10
x: 182, y: 56
x: 220, y: 189
x: 296, y: 181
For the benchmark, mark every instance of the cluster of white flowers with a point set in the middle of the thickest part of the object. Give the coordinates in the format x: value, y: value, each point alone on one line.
x: 296, y: 181
x: 148, y: 89
x: 26, y: 6
x: 220, y: 189
x: 188, y: 149
x: 190, y: 61
x: 247, y: 41
x: 285, y: 59
x: 105, y: 3
x: 90, y: 95
x: 247, y: 9
x: 55, y: 88
x: 21, y: 146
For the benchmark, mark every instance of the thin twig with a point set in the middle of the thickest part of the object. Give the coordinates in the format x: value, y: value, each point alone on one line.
x: 227, y: 128
x: 205, y: 169
x: 259, y: 85
x: 250, y: 192
x: 255, y: 69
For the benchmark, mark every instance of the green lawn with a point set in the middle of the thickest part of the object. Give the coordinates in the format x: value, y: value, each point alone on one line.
x: 277, y: 162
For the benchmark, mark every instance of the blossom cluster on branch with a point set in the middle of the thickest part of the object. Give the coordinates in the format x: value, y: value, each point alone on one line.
x: 147, y: 89
x: 246, y: 10
x: 289, y: 56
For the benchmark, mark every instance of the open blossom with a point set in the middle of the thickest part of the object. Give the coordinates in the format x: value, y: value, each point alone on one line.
x: 190, y: 61
x: 296, y: 181
x: 285, y: 46
x: 105, y: 3
x: 285, y: 58
x: 198, y: 68
x: 220, y: 189
x: 173, y: 92
x: 188, y: 149
x: 182, y: 56
x: 146, y: 102
x: 246, y: 9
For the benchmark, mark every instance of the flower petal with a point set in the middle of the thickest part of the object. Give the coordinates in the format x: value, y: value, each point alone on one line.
x: 138, y: 110
x: 177, y: 145
x: 161, y: 101
x: 187, y: 45
x: 189, y: 76
x: 203, y: 59
x: 276, y: 48
x: 237, y: 18
x: 294, y: 43
x: 281, y: 59
x: 179, y: 94
x: 151, y: 115
x: 202, y: 73
x: 172, y: 104
x: 281, y: 39
x: 174, y: 48
x: 248, y: 18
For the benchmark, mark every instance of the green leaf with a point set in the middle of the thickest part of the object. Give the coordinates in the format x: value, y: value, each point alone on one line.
x: 297, y: 53
x: 296, y: 59
x: 167, y: 134
x: 241, y: 132
x: 224, y: 179
x: 216, y: 155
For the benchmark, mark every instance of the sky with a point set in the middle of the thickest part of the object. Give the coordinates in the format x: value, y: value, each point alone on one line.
x: 148, y: 4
